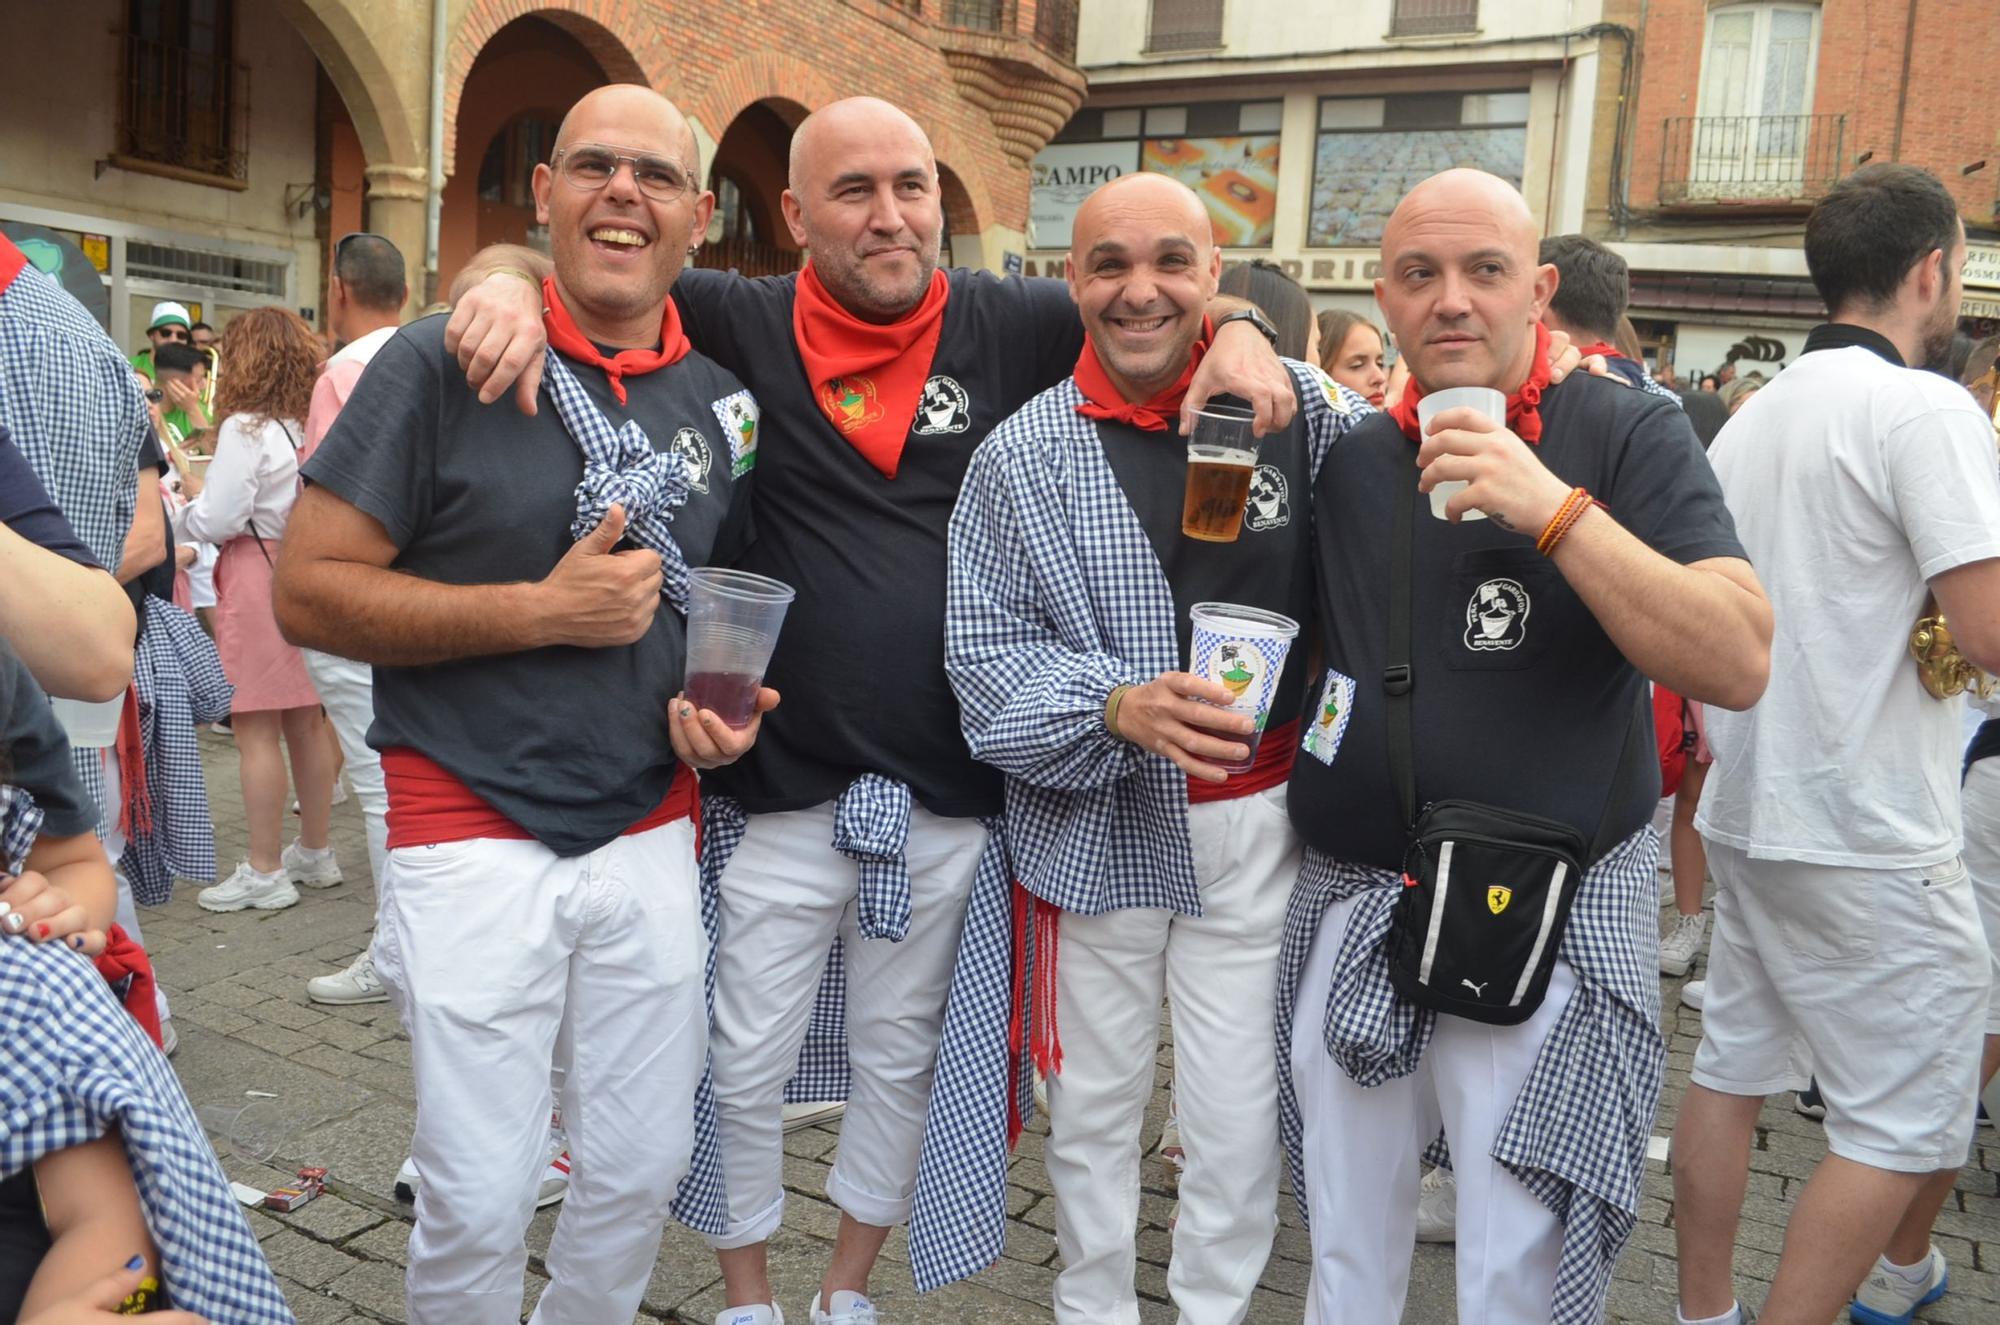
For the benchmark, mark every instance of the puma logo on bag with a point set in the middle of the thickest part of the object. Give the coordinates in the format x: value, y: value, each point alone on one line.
x: 1478, y: 990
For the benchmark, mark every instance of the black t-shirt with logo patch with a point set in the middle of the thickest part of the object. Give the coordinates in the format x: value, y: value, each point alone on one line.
x: 1270, y: 563
x: 860, y: 661
x: 1521, y: 700
x: 569, y: 743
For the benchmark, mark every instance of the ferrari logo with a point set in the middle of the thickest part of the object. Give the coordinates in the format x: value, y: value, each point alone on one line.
x: 1497, y: 899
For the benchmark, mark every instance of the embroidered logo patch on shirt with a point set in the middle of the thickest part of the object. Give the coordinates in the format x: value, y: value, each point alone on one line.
x: 943, y: 408
x: 1496, y: 616
x: 738, y: 414
x: 693, y: 450
x: 1269, y: 505
x: 1331, y: 390
x: 1326, y: 725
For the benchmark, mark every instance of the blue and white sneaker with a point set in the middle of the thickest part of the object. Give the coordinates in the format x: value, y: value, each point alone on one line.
x: 1887, y: 1298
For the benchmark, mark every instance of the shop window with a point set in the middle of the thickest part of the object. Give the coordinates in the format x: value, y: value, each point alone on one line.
x: 1373, y: 150
x: 507, y: 171
x: 1226, y: 151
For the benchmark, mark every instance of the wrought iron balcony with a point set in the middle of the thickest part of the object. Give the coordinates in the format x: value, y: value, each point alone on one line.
x: 184, y: 109
x: 1750, y: 160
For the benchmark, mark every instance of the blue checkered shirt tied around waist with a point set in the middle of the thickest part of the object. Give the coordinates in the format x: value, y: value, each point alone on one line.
x: 958, y: 1216
x: 1576, y: 1134
x: 621, y: 468
x: 1056, y: 598
x: 73, y: 1066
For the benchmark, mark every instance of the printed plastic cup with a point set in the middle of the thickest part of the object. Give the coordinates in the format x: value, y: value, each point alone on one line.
x: 1486, y: 401
x: 1222, y: 455
x: 1243, y: 649
x: 733, y: 621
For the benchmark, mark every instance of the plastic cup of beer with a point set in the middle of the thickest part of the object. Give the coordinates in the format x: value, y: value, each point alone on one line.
x: 1484, y: 399
x: 1243, y: 650
x: 1222, y: 455
x: 733, y: 621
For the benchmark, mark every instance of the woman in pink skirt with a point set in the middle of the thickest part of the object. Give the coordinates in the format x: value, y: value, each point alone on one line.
x: 241, y: 505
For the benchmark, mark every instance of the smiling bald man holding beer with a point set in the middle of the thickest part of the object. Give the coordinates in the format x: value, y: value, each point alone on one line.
x: 1081, y: 542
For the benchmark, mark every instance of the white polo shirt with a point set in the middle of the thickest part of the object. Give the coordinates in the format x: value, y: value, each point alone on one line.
x: 1852, y: 482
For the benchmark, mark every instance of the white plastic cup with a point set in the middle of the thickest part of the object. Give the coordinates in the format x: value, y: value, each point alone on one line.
x: 89, y: 726
x: 733, y: 621
x: 1243, y: 649
x: 1484, y: 399
x: 254, y: 1133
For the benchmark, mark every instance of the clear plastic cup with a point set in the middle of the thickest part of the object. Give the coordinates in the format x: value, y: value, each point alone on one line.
x: 1243, y: 649
x: 1222, y: 455
x: 254, y: 1133
x: 1488, y: 402
x: 733, y: 621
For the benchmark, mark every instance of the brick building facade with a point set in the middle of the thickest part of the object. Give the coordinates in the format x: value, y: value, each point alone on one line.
x: 1731, y: 118
x: 139, y: 137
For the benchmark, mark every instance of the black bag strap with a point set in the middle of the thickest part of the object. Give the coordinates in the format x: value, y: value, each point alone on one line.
x: 1399, y: 680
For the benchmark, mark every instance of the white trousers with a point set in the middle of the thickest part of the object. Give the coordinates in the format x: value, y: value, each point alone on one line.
x: 1361, y: 1161
x: 491, y: 949
x: 347, y: 692
x: 1219, y: 974
x: 786, y: 895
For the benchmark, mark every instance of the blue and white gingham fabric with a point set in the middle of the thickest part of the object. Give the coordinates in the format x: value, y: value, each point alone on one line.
x: 958, y: 1218
x: 1055, y: 597
x: 71, y: 403
x: 180, y: 683
x: 20, y: 824
x: 620, y: 467
x: 75, y: 1065
x: 871, y: 826
x: 1576, y: 1134
x: 74, y: 408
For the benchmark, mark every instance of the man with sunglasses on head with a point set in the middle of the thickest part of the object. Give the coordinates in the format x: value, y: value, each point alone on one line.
x: 170, y: 325
x: 861, y: 825
x: 504, y: 575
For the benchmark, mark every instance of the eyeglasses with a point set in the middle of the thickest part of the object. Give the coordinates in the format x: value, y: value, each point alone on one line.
x: 588, y: 167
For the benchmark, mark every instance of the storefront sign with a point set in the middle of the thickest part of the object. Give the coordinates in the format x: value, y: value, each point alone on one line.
x: 1064, y: 175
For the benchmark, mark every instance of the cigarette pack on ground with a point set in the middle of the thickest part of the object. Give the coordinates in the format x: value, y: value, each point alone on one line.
x: 286, y: 1199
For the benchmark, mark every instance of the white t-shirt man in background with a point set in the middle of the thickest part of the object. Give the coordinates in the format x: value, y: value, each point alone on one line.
x: 1846, y: 936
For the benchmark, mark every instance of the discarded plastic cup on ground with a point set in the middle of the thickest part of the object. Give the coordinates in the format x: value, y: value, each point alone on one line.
x: 253, y: 1132
x: 1222, y: 455
x: 1487, y: 402
x: 1242, y: 648
x: 733, y: 621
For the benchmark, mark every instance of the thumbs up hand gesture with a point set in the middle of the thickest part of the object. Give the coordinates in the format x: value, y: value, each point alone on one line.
x: 599, y: 598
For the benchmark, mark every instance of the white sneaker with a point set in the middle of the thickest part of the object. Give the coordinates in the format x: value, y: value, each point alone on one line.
x: 315, y: 869
x: 1683, y: 944
x: 246, y: 887
x: 763, y: 1313
x: 170, y: 1039
x: 555, y: 1174
x: 1694, y: 993
x: 1887, y: 1298
x: 848, y: 1309
x: 1437, y: 1207
x: 806, y: 1115
x: 357, y: 984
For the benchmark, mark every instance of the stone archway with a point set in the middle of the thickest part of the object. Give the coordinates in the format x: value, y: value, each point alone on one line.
x: 962, y: 223
x: 600, y: 27
x: 748, y: 175
x: 388, y: 112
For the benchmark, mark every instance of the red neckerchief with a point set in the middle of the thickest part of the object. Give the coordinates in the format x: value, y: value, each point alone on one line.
x: 1524, y: 406
x: 572, y: 343
x: 868, y: 377
x: 12, y: 259
x: 1101, y: 400
x: 122, y: 959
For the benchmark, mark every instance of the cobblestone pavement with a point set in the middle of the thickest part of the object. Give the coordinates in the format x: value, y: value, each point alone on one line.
x: 341, y: 1077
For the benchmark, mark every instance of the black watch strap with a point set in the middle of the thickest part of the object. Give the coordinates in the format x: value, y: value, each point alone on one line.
x: 1255, y: 319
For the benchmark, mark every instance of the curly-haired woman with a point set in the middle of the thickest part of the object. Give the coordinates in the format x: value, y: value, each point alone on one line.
x: 242, y: 506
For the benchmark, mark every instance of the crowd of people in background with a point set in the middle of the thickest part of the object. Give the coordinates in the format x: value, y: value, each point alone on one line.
x: 299, y: 546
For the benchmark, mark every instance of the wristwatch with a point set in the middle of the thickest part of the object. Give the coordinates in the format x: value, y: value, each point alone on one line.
x: 1255, y: 319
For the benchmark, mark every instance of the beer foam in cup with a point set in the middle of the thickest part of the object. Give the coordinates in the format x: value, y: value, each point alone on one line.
x: 1484, y: 399
x: 1243, y: 649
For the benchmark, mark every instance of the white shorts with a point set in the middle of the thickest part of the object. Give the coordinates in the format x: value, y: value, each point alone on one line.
x: 1876, y: 978
x: 1981, y: 801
